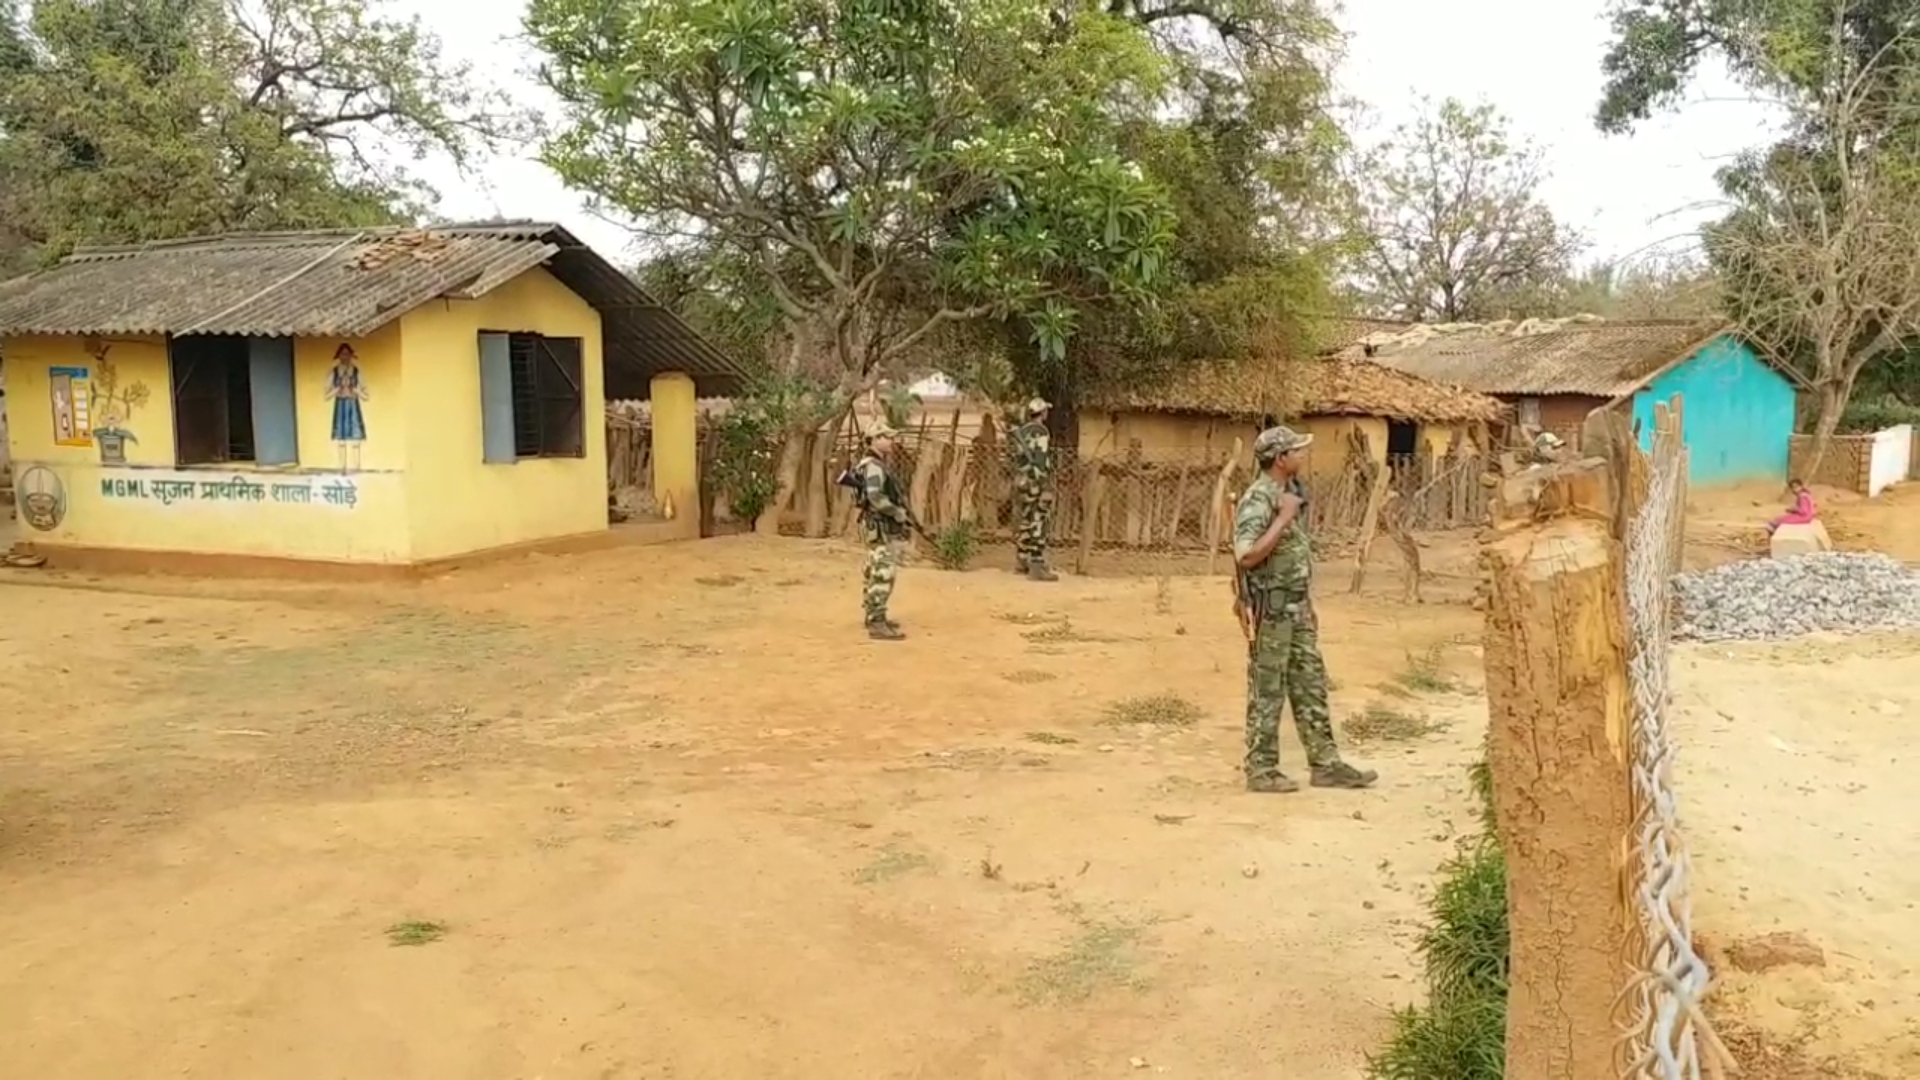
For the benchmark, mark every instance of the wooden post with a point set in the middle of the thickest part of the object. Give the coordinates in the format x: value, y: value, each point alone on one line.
x: 1559, y: 705
x: 1370, y: 520
x: 1094, y: 492
x: 1217, y: 506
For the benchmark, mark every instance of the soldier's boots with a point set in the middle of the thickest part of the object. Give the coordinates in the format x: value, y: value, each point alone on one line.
x: 1273, y: 783
x: 1342, y: 775
x: 1037, y: 570
x: 885, y: 630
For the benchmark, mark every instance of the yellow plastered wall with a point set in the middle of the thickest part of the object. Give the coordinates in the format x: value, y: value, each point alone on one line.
x: 457, y: 502
x: 1163, y: 436
x: 145, y: 505
x: 1332, y: 437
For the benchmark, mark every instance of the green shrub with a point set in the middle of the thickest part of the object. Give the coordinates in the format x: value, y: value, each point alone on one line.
x: 746, y: 459
x: 1461, y: 1032
x: 955, y: 545
x: 1864, y: 416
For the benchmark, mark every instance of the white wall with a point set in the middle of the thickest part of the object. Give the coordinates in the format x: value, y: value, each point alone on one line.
x: 1892, y: 454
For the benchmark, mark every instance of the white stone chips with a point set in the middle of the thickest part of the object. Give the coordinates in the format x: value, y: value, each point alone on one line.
x: 1771, y: 599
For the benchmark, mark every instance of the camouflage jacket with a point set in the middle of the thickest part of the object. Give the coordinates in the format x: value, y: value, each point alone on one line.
x: 883, y: 503
x: 1032, y: 457
x: 1289, y: 569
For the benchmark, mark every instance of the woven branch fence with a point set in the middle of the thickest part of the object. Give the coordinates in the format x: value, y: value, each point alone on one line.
x: 1136, y: 510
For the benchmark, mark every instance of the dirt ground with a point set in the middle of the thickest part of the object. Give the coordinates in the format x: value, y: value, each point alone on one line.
x: 672, y: 816
x: 664, y: 813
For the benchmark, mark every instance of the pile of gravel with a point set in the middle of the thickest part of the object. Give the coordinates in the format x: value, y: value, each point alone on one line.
x: 1769, y: 599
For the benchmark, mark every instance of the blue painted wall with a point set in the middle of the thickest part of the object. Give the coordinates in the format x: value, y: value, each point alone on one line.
x: 1739, y: 414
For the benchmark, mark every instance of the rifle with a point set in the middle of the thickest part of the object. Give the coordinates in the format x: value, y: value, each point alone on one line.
x: 1243, y: 606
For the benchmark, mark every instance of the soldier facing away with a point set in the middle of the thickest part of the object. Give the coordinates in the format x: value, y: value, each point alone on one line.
x: 1033, y: 491
x: 884, y: 521
x: 1284, y: 665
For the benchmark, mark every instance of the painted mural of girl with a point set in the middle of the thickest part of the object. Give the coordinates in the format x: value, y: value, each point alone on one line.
x: 347, y: 392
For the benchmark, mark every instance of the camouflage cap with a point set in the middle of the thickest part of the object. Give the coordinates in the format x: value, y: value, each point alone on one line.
x: 1275, y: 441
x: 881, y: 430
x: 1037, y: 406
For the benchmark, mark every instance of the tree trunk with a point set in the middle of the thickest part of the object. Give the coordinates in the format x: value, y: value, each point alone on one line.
x: 1833, y: 402
x: 792, y: 454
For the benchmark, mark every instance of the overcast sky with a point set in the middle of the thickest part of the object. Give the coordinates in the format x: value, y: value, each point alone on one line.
x: 1536, y: 60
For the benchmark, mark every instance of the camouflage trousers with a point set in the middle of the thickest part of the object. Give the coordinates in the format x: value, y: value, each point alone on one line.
x: 883, y: 565
x: 1034, y: 505
x: 1284, y: 667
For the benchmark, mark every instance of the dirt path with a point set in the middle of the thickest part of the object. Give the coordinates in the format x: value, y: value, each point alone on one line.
x: 1797, y: 788
x: 678, y: 820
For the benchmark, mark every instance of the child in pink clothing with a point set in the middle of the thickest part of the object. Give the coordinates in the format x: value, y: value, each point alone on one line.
x: 1801, y: 513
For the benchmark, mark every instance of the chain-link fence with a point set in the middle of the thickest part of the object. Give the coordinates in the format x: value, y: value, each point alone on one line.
x: 1660, y: 1010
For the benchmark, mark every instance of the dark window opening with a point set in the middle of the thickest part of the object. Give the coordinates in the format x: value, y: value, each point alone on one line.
x: 1402, y: 438
x: 212, y: 400
x: 549, y: 398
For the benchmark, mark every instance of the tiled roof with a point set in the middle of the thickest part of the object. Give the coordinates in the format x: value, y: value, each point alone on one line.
x: 1572, y: 356
x: 348, y: 283
x: 1324, y: 387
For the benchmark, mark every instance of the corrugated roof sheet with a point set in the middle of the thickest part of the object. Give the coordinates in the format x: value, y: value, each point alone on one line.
x: 1324, y: 387
x: 348, y: 283
x: 1594, y: 357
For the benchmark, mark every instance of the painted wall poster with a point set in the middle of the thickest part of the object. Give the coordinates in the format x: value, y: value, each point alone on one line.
x: 111, y: 405
x: 72, y: 419
x: 345, y: 388
x: 42, y: 498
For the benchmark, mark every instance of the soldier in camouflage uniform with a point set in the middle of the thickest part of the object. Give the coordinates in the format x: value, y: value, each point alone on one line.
x: 1284, y: 665
x: 884, y: 521
x: 1033, y: 490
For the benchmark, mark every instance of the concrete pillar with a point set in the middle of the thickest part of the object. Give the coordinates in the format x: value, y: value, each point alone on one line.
x: 676, y: 450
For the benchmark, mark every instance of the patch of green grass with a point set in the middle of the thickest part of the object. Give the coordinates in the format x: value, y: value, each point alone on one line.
x: 1426, y: 672
x: 1460, y: 1034
x: 415, y: 932
x: 955, y: 545
x: 1101, y: 956
x: 1061, y: 632
x: 1028, y: 676
x: 1384, y: 723
x: 720, y: 581
x: 1050, y: 738
x: 1154, y: 710
x: 890, y: 863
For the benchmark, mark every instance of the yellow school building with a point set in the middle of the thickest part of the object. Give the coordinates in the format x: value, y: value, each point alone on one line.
x: 388, y: 397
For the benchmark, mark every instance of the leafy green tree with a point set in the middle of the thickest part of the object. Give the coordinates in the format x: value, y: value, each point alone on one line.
x: 133, y: 120
x: 1450, y: 222
x: 878, y: 169
x: 1248, y: 146
x: 1815, y: 252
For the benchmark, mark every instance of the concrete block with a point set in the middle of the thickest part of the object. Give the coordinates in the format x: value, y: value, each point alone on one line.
x: 1800, y: 539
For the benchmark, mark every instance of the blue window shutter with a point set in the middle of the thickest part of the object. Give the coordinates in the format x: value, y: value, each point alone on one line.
x: 496, y: 401
x: 270, y: 370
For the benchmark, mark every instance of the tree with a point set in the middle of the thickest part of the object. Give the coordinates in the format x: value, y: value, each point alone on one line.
x: 881, y: 168
x: 1449, y: 221
x: 1818, y: 250
x: 1815, y: 252
x: 133, y: 120
x: 1658, y: 46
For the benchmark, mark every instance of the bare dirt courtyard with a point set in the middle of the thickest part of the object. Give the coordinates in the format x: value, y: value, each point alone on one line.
x: 671, y: 815
x: 665, y: 813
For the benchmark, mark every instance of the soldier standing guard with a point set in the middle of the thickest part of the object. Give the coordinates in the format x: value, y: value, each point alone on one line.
x: 884, y: 521
x: 1033, y: 488
x: 1284, y: 665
